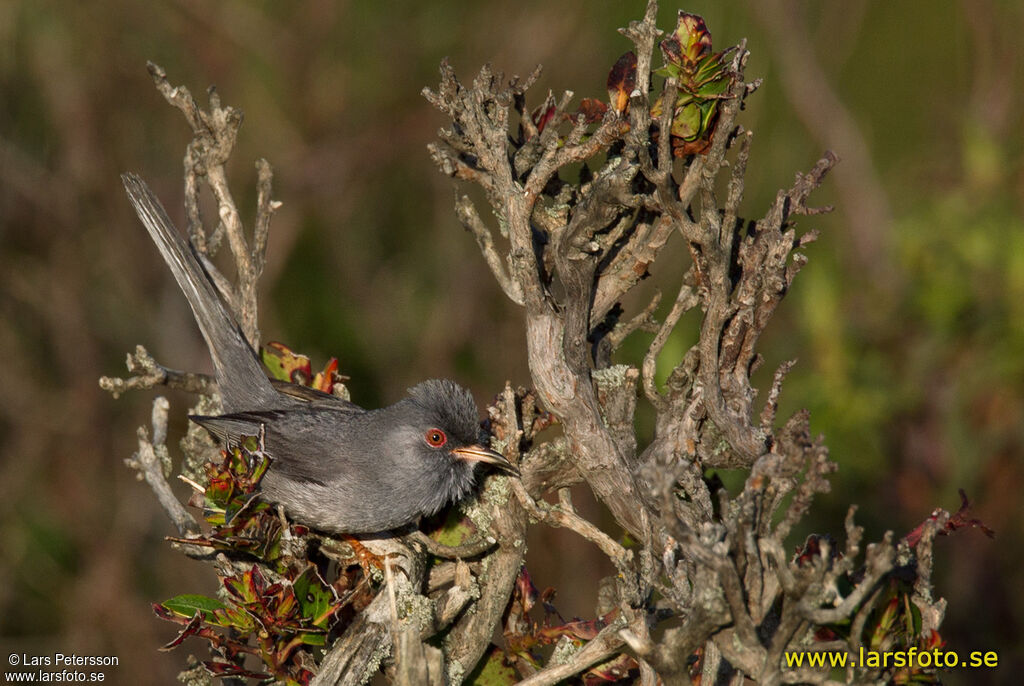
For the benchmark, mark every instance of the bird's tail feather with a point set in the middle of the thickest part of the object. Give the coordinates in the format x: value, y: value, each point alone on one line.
x: 240, y: 377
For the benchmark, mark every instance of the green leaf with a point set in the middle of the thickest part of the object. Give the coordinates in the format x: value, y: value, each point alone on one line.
x: 286, y: 365
x: 713, y: 88
x: 687, y: 121
x: 456, y: 529
x: 247, y: 588
x: 708, y: 110
x: 188, y: 604
x: 315, y: 597
x: 668, y: 70
x: 237, y: 505
x: 238, y: 619
x: 712, y: 67
x: 689, y: 42
x: 493, y: 671
x: 313, y: 639
x: 912, y: 617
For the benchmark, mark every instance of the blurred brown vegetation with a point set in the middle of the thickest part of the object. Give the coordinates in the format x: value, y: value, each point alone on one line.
x: 908, y: 321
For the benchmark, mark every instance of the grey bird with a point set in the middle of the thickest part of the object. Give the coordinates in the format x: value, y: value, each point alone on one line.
x: 335, y: 466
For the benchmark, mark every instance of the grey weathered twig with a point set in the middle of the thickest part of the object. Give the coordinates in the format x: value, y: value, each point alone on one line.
x: 151, y: 468
x: 146, y: 373
x: 601, y: 647
x: 214, y: 134
x: 557, y: 517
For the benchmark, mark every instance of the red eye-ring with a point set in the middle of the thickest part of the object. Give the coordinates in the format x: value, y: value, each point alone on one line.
x: 435, y: 438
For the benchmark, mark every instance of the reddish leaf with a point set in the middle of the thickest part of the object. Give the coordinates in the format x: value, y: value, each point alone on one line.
x: 932, y: 640
x: 247, y: 588
x: 592, y: 110
x: 689, y: 42
x: 825, y: 634
x: 325, y: 380
x: 525, y: 592
x: 286, y: 365
x: 622, y: 81
x: 615, y: 670
x: 583, y: 630
x: 542, y: 117
x: 191, y: 629
x: 223, y: 669
x: 163, y: 613
x: 520, y: 629
x: 959, y: 520
x: 547, y: 601
x: 681, y: 148
x: 811, y: 550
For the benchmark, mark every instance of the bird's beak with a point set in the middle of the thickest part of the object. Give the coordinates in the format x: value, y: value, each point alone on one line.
x: 476, y: 453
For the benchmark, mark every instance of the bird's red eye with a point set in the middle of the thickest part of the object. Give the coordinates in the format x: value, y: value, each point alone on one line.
x: 435, y: 438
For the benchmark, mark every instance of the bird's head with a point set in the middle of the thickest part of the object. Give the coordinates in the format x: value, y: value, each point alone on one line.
x: 446, y: 416
x: 437, y: 429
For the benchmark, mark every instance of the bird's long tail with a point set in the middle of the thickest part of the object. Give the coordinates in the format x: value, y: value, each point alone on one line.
x: 240, y: 377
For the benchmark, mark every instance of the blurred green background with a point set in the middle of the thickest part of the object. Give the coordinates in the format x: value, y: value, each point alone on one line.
x: 908, y: 322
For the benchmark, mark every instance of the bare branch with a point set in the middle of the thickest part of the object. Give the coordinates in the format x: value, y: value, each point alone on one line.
x: 685, y: 301
x: 150, y: 468
x: 147, y: 373
x: 604, y: 645
x: 215, y: 132
x: 265, y: 208
x: 557, y: 517
x: 467, y: 214
x: 771, y: 405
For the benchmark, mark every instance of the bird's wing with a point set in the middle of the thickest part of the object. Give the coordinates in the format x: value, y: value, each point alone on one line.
x: 230, y: 428
x: 303, y: 442
x: 314, y: 396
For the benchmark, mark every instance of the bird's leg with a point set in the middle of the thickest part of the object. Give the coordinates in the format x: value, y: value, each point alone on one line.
x: 364, y: 558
